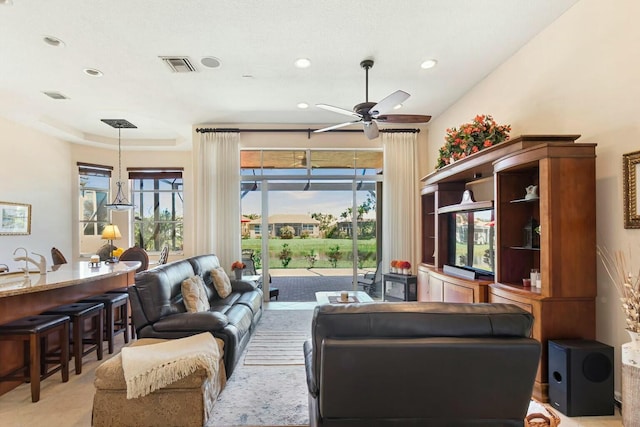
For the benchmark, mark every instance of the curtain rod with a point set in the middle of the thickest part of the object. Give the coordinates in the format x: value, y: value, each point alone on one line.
x: 307, y: 131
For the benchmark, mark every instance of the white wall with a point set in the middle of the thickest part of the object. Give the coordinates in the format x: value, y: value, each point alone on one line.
x: 579, y: 76
x: 35, y: 169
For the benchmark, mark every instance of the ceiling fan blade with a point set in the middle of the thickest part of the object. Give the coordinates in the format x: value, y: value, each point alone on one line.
x: 403, y: 118
x: 388, y: 103
x: 371, y: 130
x: 338, y: 110
x: 336, y: 126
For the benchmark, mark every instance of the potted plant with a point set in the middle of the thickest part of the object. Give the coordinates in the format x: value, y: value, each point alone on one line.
x: 238, y: 267
x: 481, y: 133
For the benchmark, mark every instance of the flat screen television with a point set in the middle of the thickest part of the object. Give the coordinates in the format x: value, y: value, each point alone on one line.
x: 472, y: 241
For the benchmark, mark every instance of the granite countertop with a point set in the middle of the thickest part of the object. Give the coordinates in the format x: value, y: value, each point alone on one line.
x: 15, y: 283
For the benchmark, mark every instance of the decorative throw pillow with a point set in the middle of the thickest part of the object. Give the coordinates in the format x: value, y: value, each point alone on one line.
x: 194, y: 295
x: 221, y: 282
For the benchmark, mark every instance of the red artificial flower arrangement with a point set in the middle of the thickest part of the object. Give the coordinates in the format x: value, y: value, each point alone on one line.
x: 472, y: 137
x: 399, y: 265
x: 238, y: 265
x: 405, y: 265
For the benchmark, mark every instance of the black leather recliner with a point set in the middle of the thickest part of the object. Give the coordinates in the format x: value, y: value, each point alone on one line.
x: 158, y: 308
x: 420, y: 364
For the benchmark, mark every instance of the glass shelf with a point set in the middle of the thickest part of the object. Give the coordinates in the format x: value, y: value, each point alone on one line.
x: 530, y: 200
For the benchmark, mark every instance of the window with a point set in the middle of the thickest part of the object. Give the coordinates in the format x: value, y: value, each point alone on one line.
x: 94, y: 183
x: 157, y: 196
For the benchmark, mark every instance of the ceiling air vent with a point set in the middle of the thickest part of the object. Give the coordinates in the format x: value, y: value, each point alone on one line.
x: 179, y: 64
x: 55, y: 95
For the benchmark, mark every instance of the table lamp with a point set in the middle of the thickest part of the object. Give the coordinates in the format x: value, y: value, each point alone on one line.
x: 111, y: 233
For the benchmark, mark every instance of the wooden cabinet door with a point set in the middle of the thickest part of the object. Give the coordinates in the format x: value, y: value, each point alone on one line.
x: 423, y: 285
x: 456, y: 293
x: 435, y: 289
x: 493, y: 298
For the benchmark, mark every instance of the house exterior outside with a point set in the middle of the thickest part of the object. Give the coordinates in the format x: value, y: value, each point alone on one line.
x: 300, y: 224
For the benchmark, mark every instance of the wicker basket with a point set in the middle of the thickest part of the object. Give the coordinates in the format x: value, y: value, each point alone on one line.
x: 630, y: 385
x: 538, y: 419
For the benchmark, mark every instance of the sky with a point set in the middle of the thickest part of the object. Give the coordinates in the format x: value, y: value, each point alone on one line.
x: 302, y: 202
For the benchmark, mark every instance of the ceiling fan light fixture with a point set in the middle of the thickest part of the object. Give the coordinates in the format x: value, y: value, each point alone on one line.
x: 368, y: 113
x: 302, y: 63
x: 120, y: 203
x: 429, y: 63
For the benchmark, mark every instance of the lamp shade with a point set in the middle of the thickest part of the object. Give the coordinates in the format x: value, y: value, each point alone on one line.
x: 111, y: 232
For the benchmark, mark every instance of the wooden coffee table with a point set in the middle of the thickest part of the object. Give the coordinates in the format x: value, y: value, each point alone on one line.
x: 334, y: 297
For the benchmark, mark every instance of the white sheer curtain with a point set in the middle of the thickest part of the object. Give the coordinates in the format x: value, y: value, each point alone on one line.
x: 217, y: 192
x: 399, y: 198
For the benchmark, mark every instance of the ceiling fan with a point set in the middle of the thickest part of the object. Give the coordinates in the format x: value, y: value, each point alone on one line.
x: 371, y: 113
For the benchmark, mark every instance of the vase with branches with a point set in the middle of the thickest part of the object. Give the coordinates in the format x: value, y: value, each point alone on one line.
x: 627, y: 284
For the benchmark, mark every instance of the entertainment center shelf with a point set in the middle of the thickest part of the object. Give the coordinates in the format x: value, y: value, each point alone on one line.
x: 542, y: 192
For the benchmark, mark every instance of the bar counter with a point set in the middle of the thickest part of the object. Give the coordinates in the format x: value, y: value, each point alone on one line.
x: 21, y: 296
x: 64, y: 275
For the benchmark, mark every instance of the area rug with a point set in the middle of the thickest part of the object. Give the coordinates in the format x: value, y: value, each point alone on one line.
x: 268, y: 348
x: 268, y: 393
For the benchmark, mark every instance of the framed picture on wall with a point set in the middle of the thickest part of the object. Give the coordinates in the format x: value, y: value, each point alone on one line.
x: 630, y: 171
x: 15, y: 218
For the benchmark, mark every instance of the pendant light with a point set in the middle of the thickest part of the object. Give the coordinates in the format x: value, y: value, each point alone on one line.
x: 120, y: 203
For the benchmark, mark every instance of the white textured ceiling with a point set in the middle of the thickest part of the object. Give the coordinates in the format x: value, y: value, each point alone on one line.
x: 256, y: 38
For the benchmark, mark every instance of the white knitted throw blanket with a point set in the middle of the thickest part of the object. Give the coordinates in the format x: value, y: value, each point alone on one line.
x: 151, y: 367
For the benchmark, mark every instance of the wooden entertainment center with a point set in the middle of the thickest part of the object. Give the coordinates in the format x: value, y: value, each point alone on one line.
x: 564, y: 251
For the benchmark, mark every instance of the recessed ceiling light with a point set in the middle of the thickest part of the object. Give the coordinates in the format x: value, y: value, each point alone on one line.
x: 92, y: 72
x: 429, y: 63
x: 303, y: 105
x: 302, y: 63
x: 211, y: 62
x: 53, y: 41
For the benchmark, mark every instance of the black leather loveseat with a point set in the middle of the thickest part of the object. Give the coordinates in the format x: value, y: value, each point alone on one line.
x: 420, y: 364
x: 158, y: 308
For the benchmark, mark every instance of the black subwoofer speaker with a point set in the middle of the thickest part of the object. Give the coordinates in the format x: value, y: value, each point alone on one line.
x: 581, y: 377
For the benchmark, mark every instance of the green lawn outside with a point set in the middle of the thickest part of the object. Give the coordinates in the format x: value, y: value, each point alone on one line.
x: 301, y: 247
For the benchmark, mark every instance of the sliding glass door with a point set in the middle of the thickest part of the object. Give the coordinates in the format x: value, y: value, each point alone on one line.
x: 312, y: 222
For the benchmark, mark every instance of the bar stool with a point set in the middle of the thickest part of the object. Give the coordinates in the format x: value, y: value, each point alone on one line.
x: 114, y: 304
x: 34, y: 331
x: 125, y: 290
x: 79, y: 313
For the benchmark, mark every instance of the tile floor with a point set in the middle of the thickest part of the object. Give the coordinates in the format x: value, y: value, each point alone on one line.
x: 69, y: 404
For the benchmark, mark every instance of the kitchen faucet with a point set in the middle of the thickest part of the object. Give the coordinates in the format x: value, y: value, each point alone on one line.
x: 42, y: 264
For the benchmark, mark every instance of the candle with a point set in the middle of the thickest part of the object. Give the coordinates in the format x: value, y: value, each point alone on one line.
x: 95, y: 259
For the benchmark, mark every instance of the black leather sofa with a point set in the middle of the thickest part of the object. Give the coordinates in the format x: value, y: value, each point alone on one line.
x: 158, y: 309
x: 420, y: 364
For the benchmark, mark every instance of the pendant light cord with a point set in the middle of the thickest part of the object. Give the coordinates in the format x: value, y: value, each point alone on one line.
x: 119, y: 157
